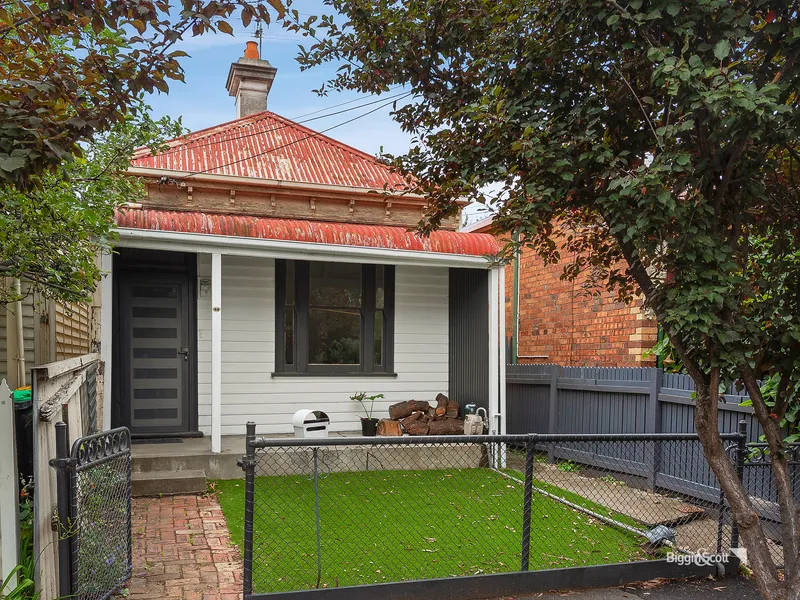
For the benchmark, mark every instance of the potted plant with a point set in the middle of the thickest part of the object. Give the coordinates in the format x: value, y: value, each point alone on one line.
x: 369, y: 425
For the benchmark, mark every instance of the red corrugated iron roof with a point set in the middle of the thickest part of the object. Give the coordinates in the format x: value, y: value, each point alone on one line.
x: 266, y: 145
x: 314, y: 232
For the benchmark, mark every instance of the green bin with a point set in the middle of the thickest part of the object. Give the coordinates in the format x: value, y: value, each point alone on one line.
x: 23, y: 427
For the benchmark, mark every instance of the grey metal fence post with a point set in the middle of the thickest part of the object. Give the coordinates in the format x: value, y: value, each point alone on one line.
x: 653, y: 425
x: 552, y: 414
x: 249, y: 466
x: 528, y: 498
x: 741, y: 456
x: 61, y: 463
x: 720, y: 520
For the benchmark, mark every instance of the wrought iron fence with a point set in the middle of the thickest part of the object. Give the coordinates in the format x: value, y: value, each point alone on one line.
x: 94, y: 513
x: 329, y: 513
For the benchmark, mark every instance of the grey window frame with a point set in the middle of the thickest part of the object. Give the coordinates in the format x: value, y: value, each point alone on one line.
x: 300, y: 365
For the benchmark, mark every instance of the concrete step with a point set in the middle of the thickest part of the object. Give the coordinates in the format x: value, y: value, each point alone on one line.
x: 168, y: 483
x: 149, y: 459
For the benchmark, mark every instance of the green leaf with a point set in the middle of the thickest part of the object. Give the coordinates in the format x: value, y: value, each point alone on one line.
x: 673, y: 8
x: 722, y: 49
x: 12, y: 163
x: 612, y: 19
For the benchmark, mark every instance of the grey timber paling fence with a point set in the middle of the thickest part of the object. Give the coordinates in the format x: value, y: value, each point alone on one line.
x: 552, y: 399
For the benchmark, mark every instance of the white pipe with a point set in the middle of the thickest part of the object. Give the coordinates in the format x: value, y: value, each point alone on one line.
x: 216, y: 353
x: 494, y: 373
x: 232, y: 245
x: 106, y: 331
x: 20, y: 334
x: 502, y: 347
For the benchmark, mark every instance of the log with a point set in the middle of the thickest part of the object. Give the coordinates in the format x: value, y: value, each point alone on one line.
x: 446, y: 427
x: 452, y: 409
x: 418, y: 427
x: 441, y: 405
x: 415, y: 416
x: 405, y: 408
x: 389, y: 427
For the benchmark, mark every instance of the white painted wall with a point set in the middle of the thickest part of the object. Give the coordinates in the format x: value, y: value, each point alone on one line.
x: 249, y: 392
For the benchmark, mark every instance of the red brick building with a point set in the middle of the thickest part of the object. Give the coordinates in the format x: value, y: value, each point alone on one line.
x: 559, y: 323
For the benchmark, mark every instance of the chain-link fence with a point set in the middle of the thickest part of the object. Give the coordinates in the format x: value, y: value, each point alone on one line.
x: 343, y: 512
x: 94, y: 513
x: 759, y: 481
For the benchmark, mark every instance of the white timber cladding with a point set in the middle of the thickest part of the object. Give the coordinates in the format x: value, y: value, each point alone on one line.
x: 249, y: 392
x: 72, y: 330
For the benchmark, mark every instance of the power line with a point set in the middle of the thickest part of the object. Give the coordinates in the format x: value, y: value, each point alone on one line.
x: 295, y: 121
x: 292, y: 143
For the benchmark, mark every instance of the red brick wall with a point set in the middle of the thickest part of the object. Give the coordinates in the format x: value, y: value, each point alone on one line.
x: 559, y: 323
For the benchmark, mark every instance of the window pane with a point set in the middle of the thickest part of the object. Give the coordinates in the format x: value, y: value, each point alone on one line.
x: 335, y: 285
x: 379, y: 286
x: 334, y: 336
x: 288, y: 333
x: 378, y: 338
x: 289, y: 283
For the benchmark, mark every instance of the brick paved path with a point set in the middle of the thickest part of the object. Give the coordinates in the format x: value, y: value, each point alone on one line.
x: 182, y: 550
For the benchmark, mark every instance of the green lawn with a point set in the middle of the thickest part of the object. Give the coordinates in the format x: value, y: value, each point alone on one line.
x: 381, y: 526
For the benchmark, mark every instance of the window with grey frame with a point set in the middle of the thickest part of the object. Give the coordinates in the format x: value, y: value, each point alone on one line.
x: 333, y: 318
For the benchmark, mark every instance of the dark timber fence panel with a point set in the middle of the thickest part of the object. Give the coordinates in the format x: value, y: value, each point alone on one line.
x: 551, y: 399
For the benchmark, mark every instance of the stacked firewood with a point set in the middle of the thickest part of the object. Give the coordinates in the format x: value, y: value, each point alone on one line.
x: 416, y: 417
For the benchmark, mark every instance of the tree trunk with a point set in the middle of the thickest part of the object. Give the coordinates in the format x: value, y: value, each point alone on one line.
x: 389, y: 427
x: 751, y: 531
x: 405, y: 408
x: 446, y: 427
x: 790, y: 523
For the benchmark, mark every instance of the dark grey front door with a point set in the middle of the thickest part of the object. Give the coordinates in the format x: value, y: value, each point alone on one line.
x: 155, y: 353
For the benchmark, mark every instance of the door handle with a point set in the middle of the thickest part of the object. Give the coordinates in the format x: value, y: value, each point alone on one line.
x: 185, y: 352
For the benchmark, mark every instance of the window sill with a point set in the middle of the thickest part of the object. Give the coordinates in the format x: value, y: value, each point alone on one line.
x: 342, y: 374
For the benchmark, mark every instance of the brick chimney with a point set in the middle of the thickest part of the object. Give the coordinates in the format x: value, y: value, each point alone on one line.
x: 249, y: 81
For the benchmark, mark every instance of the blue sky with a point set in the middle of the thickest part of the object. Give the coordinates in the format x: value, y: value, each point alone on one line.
x: 202, y: 101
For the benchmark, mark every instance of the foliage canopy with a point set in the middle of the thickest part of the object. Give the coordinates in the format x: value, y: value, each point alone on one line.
x: 70, y: 70
x: 661, y: 135
x: 52, y: 234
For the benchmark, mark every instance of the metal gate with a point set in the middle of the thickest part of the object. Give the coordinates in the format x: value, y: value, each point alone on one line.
x: 94, y: 512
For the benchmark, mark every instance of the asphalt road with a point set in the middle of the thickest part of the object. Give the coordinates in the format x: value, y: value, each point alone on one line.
x: 732, y: 588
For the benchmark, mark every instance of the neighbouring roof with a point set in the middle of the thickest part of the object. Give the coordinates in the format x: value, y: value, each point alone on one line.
x: 320, y: 232
x: 479, y: 226
x: 265, y: 145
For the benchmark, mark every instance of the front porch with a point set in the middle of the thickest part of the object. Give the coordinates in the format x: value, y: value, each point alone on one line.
x: 210, y: 326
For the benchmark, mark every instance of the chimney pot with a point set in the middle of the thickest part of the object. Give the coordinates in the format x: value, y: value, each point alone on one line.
x: 249, y: 81
x: 251, y: 50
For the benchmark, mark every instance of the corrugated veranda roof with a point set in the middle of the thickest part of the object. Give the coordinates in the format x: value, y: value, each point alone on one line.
x: 321, y: 232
